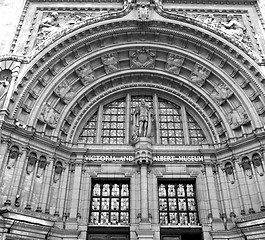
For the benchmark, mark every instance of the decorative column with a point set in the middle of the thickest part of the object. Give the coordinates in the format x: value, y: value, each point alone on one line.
x: 143, y: 157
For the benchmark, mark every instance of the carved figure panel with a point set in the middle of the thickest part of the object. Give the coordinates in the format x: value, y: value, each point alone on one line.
x: 143, y: 58
x: 49, y: 115
x: 65, y: 91
x: 174, y: 63
x: 237, y: 117
x: 221, y: 93
x: 86, y: 74
x: 199, y: 74
x: 111, y: 62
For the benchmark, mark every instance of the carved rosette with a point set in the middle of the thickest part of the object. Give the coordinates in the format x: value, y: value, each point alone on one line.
x: 174, y: 63
x: 143, y: 58
x: 199, y: 74
x: 111, y: 62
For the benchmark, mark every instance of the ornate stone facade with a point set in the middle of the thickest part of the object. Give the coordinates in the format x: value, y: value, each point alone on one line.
x: 132, y: 119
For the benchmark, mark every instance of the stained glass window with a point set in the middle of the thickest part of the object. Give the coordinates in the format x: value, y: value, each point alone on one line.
x: 113, y: 123
x: 110, y: 203
x: 195, y: 132
x: 170, y: 123
x: 177, y: 203
x: 88, y: 134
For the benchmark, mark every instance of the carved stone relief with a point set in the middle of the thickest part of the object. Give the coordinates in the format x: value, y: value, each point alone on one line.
x: 5, y: 79
x: 229, y: 170
x: 174, y: 63
x: 143, y: 58
x: 56, y: 21
x: 65, y: 91
x: 199, y: 74
x: 86, y: 74
x: 237, y: 117
x: 221, y: 92
x: 49, y: 115
x: 143, y: 12
x: 111, y: 62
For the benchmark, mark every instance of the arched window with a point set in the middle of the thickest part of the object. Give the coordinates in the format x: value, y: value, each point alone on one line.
x: 172, y: 123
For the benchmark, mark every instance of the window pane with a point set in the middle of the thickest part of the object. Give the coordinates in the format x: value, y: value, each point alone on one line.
x: 88, y: 134
x: 113, y: 122
x: 177, y: 203
x: 171, y: 129
x: 109, y: 203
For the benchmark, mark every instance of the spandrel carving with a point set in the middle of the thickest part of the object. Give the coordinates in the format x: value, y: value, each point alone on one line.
x: 199, y: 74
x: 85, y: 74
x: 233, y: 27
x: 174, y: 63
x: 237, y: 117
x: 49, y: 115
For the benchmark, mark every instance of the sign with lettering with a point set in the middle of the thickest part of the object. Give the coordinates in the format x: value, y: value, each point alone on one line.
x: 126, y: 158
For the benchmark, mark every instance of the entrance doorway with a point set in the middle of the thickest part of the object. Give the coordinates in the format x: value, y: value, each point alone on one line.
x: 181, y: 234
x: 108, y: 233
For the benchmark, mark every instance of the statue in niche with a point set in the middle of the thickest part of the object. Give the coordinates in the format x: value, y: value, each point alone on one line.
x: 31, y: 163
x: 174, y: 63
x: 111, y: 62
x: 142, y: 121
x: 58, y: 171
x: 199, y: 74
x: 85, y: 74
x: 233, y: 27
x: 228, y: 168
x: 142, y: 58
x: 65, y: 91
x: 49, y: 115
x: 256, y: 159
x: 41, y: 166
x: 5, y: 79
x: 221, y: 93
x: 13, y: 156
x: 247, y: 167
x: 237, y: 117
